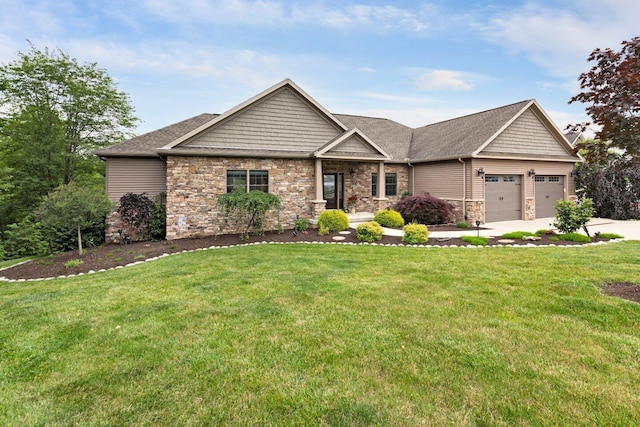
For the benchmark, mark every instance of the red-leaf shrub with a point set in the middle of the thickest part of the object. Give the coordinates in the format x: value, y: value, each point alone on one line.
x: 425, y: 209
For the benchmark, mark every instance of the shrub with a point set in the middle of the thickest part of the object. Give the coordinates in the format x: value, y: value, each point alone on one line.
x: 601, y: 235
x: 571, y: 216
x: 425, y: 209
x: 158, y: 221
x: 135, y: 210
x: 475, y: 240
x: 23, y: 239
x: 517, y: 235
x: 301, y: 224
x: 369, y: 232
x: 1, y: 252
x: 415, y: 234
x: 389, y: 218
x: 73, y: 263
x: 332, y: 220
x: 575, y: 237
x: 462, y: 224
x: 545, y: 232
x: 248, y: 209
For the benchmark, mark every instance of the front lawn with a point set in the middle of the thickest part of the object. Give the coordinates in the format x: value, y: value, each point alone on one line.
x: 329, y: 335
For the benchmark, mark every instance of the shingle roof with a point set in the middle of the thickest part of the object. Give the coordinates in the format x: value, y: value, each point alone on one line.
x: 462, y: 136
x: 145, y: 145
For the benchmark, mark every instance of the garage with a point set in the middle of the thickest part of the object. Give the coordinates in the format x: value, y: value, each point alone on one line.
x: 549, y: 189
x: 503, y: 197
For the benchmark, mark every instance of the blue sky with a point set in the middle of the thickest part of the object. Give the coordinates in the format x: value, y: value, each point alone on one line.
x: 413, y: 62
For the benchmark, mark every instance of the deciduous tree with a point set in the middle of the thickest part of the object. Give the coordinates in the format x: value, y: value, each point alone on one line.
x: 53, y: 112
x: 611, y: 90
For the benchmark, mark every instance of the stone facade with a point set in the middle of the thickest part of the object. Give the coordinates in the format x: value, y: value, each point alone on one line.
x: 475, y: 211
x: 529, y: 208
x: 193, y: 183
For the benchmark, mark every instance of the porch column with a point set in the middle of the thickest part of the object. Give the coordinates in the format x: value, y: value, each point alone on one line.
x: 319, y: 204
x: 381, y: 200
x: 382, y: 190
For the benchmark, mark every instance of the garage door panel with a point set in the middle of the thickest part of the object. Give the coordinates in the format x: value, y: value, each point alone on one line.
x: 503, y: 197
x: 549, y: 189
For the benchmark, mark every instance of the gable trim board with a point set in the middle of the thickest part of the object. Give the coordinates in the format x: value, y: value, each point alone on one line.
x: 284, y: 126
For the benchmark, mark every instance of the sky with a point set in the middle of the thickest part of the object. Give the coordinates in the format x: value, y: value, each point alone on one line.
x: 415, y: 62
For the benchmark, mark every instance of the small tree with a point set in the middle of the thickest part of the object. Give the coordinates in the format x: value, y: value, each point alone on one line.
x: 570, y: 216
x: 249, y: 209
x: 73, y: 206
x: 136, y: 211
x: 158, y: 222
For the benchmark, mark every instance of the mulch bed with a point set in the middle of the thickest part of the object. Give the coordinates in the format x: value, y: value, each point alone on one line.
x: 113, y: 255
x: 624, y: 290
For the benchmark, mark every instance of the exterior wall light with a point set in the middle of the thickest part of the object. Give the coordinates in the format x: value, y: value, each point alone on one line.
x: 480, y: 172
x: 532, y: 172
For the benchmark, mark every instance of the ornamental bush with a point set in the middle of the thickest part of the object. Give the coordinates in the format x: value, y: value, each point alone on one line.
x: 389, y: 218
x: 331, y: 221
x: 415, y: 234
x: 136, y: 211
x: 425, y: 209
x: 23, y: 239
x: 571, y: 216
x: 369, y: 232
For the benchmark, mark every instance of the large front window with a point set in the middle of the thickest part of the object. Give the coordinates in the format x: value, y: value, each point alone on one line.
x: 391, y: 184
x: 248, y: 180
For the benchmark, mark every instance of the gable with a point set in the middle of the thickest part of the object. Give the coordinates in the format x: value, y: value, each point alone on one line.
x: 281, y: 121
x: 527, y: 136
x: 353, y: 144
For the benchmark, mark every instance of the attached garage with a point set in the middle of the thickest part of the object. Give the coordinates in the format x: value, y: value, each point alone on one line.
x: 549, y: 189
x: 503, y: 197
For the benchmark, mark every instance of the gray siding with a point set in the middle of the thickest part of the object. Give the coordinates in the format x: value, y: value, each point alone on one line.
x: 353, y: 145
x: 282, y: 121
x: 135, y: 175
x: 440, y: 179
x: 526, y: 136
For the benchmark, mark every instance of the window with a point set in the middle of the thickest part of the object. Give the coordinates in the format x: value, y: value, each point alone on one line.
x: 257, y: 180
x: 539, y: 179
x: 491, y: 178
x: 391, y: 184
x: 554, y: 179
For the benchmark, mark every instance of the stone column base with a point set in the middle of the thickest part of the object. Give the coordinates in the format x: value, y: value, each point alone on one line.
x: 317, y: 206
x: 380, y: 204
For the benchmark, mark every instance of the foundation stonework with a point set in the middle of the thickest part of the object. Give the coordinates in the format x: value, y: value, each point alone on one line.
x: 475, y: 211
x: 530, y: 209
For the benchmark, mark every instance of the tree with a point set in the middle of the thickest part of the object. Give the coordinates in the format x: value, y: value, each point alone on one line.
x: 53, y: 112
x: 612, y: 89
x: 248, y: 209
x: 73, y: 206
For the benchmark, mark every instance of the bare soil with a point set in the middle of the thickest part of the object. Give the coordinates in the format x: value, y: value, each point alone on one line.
x: 113, y: 255
x: 624, y: 290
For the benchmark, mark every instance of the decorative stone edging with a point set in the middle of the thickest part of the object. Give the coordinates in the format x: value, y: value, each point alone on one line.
x: 528, y: 245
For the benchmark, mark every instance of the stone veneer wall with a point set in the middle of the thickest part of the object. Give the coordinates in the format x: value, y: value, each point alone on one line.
x: 194, y: 182
x: 360, y: 184
x: 529, y: 208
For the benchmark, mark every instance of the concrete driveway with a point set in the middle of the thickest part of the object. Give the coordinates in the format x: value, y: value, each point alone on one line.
x: 629, y: 229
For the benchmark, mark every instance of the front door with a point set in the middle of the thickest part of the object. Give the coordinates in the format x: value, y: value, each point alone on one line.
x: 333, y: 190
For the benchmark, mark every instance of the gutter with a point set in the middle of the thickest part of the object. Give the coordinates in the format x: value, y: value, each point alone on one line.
x: 464, y: 188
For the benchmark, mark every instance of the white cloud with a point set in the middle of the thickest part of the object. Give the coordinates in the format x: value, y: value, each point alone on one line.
x: 445, y: 80
x: 560, y: 40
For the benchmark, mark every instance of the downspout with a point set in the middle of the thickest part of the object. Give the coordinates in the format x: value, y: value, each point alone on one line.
x: 412, y: 176
x: 464, y: 188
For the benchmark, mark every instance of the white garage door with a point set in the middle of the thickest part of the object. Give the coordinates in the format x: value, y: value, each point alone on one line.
x: 549, y: 189
x: 503, y: 198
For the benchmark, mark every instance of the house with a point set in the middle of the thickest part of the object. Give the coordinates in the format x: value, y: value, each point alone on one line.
x: 506, y: 163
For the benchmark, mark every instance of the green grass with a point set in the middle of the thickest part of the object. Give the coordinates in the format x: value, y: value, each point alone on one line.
x: 329, y: 335
x: 475, y: 240
x: 517, y: 235
x: 73, y: 263
x: 610, y: 236
x: 575, y: 237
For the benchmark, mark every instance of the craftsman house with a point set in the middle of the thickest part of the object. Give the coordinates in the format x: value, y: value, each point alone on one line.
x: 508, y: 163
